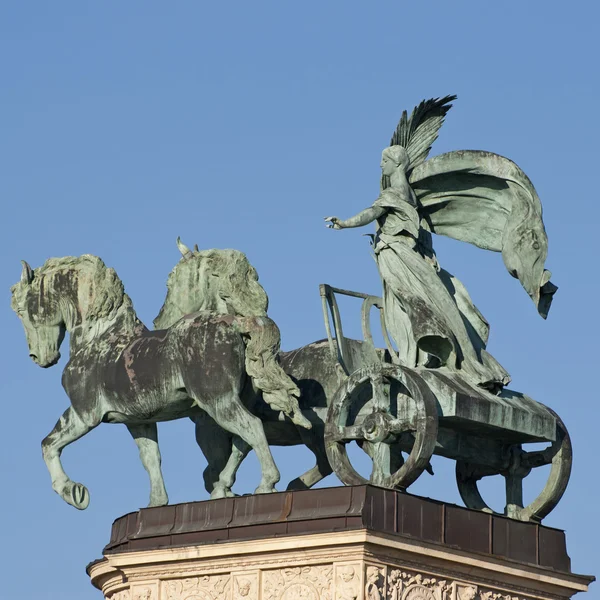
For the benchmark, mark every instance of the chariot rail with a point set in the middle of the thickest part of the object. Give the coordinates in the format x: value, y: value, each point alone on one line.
x: 337, y: 342
x: 389, y: 408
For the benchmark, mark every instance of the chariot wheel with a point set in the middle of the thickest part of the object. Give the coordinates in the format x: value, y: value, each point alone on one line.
x: 379, y: 407
x: 559, y: 455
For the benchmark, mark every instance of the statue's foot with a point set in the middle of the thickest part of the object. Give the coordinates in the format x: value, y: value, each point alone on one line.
x: 73, y: 493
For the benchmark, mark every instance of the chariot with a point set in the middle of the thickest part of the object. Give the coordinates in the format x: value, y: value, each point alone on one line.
x: 389, y: 409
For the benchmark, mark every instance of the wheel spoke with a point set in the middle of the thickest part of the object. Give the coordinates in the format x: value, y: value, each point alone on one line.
x: 381, y: 425
x: 348, y: 433
x: 398, y: 426
x: 381, y: 393
x: 539, y: 458
x: 380, y: 453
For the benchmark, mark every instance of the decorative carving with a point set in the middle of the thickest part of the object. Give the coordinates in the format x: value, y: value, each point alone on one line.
x: 215, y: 587
x: 245, y: 587
x: 381, y: 582
x: 467, y: 592
x: 491, y: 595
x: 347, y: 585
x: 373, y: 585
x: 415, y: 586
x: 306, y: 583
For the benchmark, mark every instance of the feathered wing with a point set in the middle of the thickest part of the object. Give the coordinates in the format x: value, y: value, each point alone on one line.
x: 417, y: 133
x: 486, y: 200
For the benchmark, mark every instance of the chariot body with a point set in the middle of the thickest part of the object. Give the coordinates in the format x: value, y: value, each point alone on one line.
x: 389, y: 409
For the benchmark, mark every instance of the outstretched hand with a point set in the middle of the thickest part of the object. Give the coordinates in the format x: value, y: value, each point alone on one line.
x: 333, y: 223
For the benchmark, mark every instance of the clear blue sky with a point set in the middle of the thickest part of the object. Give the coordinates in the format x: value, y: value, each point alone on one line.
x: 243, y: 124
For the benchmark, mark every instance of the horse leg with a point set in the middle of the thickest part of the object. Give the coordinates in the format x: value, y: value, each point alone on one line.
x: 215, y: 444
x: 238, y: 452
x: 318, y: 472
x: 69, y: 428
x: 146, y: 438
x: 229, y: 412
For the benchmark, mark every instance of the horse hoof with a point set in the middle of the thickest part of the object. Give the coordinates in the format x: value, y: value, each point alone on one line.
x: 220, y: 492
x: 297, y: 484
x: 265, y: 489
x: 158, y: 502
x: 79, y: 496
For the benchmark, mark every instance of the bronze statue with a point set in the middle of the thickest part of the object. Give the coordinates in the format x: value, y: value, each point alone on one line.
x: 215, y: 354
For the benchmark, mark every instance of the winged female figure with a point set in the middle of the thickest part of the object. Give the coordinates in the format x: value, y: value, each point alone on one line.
x: 472, y: 196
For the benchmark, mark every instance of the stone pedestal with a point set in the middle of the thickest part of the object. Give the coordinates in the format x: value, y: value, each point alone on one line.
x: 347, y: 543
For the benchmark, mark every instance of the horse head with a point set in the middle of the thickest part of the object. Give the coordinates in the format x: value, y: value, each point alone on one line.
x: 41, y: 316
x: 72, y: 294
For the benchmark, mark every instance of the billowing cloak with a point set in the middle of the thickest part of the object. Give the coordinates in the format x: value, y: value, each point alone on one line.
x: 486, y: 200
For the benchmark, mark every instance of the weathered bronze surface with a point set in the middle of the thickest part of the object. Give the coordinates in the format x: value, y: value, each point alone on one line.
x: 119, y: 372
x: 434, y: 388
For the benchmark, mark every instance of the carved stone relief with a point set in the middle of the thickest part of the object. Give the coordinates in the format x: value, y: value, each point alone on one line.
x: 215, y: 587
x: 491, y: 595
x: 347, y: 582
x: 299, y: 583
x: 245, y: 586
x: 403, y: 585
x: 466, y: 592
x: 374, y: 582
x: 144, y: 593
x: 341, y: 581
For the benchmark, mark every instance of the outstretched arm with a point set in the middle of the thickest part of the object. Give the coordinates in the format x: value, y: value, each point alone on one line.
x: 362, y: 218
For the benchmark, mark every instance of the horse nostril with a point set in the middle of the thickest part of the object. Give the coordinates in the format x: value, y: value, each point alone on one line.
x: 33, y: 357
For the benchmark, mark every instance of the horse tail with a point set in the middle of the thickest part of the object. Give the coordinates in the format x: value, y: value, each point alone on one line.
x: 262, y: 341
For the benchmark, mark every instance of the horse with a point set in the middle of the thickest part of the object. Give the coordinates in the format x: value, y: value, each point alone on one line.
x: 312, y: 367
x: 120, y: 372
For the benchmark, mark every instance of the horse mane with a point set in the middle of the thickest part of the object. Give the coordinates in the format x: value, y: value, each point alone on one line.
x: 210, y: 278
x: 105, y: 292
x: 238, y: 282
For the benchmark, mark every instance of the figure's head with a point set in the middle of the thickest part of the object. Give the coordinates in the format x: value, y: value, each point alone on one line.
x: 41, y: 316
x: 372, y: 574
x: 469, y: 593
x: 392, y: 158
x: 244, y: 586
x: 216, y: 281
x: 347, y: 573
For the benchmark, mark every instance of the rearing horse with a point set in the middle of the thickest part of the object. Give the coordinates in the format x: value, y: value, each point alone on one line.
x: 120, y: 372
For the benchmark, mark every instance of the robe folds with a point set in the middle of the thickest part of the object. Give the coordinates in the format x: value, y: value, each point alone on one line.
x: 428, y: 313
x: 473, y: 196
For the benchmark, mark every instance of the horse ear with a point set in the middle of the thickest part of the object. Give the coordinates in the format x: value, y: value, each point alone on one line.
x: 185, y: 251
x: 196, y: 249
x: 26, y: 273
